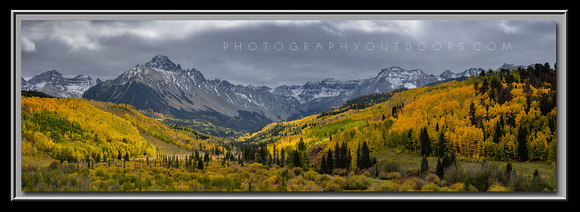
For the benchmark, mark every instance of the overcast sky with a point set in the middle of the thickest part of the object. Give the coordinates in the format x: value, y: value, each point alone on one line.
x: 276, y: 52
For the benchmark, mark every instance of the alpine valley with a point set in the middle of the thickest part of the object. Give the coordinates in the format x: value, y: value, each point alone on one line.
x: 163, y: 87
x: 402, y: 130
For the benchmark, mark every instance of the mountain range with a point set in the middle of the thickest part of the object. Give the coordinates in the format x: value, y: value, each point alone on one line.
x: 164, y: 87
x: 55, y: 84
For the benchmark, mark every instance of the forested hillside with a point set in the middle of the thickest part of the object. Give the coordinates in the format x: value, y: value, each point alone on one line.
x: 74, y: 130
x: 499, y: 115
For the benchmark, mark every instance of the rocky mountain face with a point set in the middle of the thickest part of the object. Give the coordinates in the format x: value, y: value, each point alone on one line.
x: 395, y: 77
x: 163, y: 86
x: 55, y: 84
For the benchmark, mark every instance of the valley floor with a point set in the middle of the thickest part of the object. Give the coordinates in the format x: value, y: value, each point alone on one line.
x: 393, y: 172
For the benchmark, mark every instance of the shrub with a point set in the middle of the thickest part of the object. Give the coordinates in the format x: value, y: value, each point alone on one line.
x: 481, y: 181
x: 497, y: 187
x: 418, y: 182
x: 383, y: 175
x: 253, y: 167
x: 322, y: 178
x: 100, y: 172
x: 387, y: 186
x: 412, y: 184
x: 430, y: 187
x: 333, y: 182
x: 538, y: 183
x: 299, y: 184
x: 339, y: 172
x: 432, y: 178
x: 243, y: 174
x: 331, y: 186
x: 311, y: 175
x: 357, y: 182
x: 390, y: 175
x: 264, y: 186
x: 366, y: 173
x: 159, y: 178
x: 221, y: 183
x: 53, y: 165
x: 408, y: 185
x: 394, y: 175
x: 392, y: 167
x: 479, y: 176
x: 84, y: 171
x: 458, y: 187
x: 297, y: 170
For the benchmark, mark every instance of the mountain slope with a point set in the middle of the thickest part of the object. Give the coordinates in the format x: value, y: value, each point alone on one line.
x: 70, y: 129
x: 164, y: 87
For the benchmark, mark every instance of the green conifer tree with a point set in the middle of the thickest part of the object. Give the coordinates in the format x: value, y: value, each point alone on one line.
x: 200, y: 164
x: 522, y: 143
x: 301, y: 145
x: 440, y: 169
x: 324, y: 165
x: 425, y: 142
x: 296, y: 158
x: 330, y: 161
x: 365, y: 158
x: 424, y: 164
x: 442, y: 146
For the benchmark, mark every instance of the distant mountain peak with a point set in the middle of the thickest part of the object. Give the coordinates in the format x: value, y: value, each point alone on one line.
x: 55, y: 84
x: 391, y: 69
x: 510, y: 66
x: 53, y: 72
x: 447, y: 74
x: 163, y: 62
x: 398, y: 72
x: 467, y: 73
x: 46, y: 76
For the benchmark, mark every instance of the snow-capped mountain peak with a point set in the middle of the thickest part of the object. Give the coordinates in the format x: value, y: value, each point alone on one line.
x: 398, y: 72
x: 55, y: 84
x: 470, y: 72
x: 447, y: 74
x: 50, y: 75
x: 163, y: 86
x: 163, y: 62
x: 397, y: 77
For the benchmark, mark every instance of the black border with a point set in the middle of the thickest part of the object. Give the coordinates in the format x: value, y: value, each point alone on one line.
x: 246, y: 196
